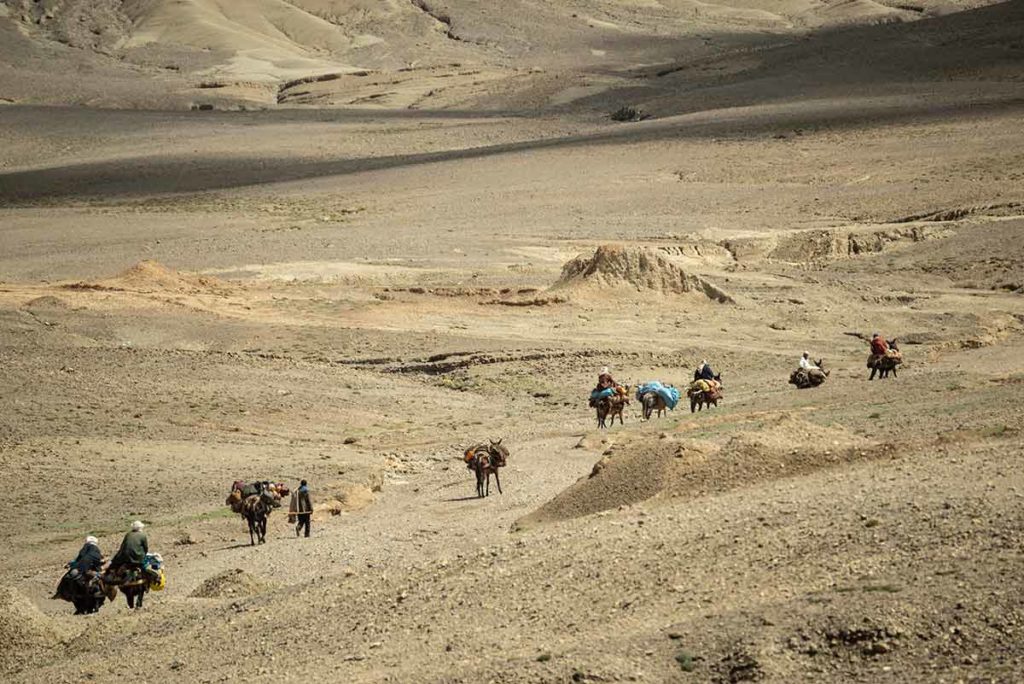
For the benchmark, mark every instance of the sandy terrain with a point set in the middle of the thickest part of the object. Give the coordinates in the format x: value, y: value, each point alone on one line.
x: 374, y: 246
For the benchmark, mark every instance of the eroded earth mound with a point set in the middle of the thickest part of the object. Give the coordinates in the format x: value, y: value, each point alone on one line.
x: 637, y: 268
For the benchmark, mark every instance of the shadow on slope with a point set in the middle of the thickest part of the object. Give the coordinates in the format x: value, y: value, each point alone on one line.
x: 648, y: 467
x: 147, y: 176
x: 950, y: 53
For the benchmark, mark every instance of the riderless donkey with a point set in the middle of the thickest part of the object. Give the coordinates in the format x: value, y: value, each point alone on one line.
x: 485, y: 460
x: 255, y: 510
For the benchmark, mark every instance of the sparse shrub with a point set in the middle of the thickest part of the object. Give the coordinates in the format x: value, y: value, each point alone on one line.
x: 685, y: 661
x: 629, y: 113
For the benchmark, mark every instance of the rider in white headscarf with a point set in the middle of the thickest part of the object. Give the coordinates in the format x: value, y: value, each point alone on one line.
x: 806, y: 363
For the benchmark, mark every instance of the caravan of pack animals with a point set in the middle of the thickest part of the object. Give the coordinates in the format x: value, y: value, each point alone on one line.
x: 521, y: 342
x: 89, y: 581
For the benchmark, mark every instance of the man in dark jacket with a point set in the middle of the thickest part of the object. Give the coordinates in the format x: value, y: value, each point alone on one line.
x: 134, y: 548
x: 703, y: 372
x: 303, y: 508
x: 79, y: 582
x: 89, y: 559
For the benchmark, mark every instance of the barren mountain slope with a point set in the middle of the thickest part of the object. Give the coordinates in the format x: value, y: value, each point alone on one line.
x: 241, y: 52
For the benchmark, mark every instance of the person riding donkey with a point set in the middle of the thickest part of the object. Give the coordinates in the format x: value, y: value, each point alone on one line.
x: 606, y: 387
x: 806, y: 363
x: 703, y: 372
x: 86, y: 566
x: 880, y: 349
x: 89, y: 560
x: 811, y: 368
x: 705, y: 381
x: 134, y: 548
x: 80, y: 584
x: 606, y: 381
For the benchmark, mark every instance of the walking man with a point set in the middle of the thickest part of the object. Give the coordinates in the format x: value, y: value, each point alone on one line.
x: 303, y: 506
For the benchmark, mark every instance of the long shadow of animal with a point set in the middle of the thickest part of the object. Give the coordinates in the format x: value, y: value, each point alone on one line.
x: 256, y: 509
x: 700, y: 398
x: 652, y: 402
x: 485, y: 460
x: 804, y: 379
x: 610, y: 407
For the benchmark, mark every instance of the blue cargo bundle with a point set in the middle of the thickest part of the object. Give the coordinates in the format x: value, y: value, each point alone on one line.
x: 668, y: 393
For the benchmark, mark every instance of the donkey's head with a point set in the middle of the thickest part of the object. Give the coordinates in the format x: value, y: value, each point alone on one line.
x: 499, y: 454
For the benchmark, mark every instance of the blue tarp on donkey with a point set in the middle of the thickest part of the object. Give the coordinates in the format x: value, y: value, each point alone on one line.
x: 669, y: 394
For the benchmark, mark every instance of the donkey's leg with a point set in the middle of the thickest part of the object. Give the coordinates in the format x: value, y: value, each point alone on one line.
x: 138, y: 599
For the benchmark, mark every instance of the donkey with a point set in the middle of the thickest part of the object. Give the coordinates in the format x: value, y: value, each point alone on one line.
x: 611, y: 406
x: 255, y: 510
x: 652, y: 401
x: 699, y: 399
x: 485, y: 460
x: 130, y: 581
x: 86, y: 594
x: 885, y: 364
x: 134, y: 592
x: 804, y: 379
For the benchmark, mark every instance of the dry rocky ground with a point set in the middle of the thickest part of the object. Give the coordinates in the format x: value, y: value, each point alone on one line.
x: 359, y: 282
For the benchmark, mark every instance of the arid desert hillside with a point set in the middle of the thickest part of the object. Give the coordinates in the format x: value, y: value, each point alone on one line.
x: 346, y: 241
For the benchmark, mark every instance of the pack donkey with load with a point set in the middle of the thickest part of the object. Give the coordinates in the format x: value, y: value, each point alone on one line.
x: 485, y: 460
x: 254, y: 502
